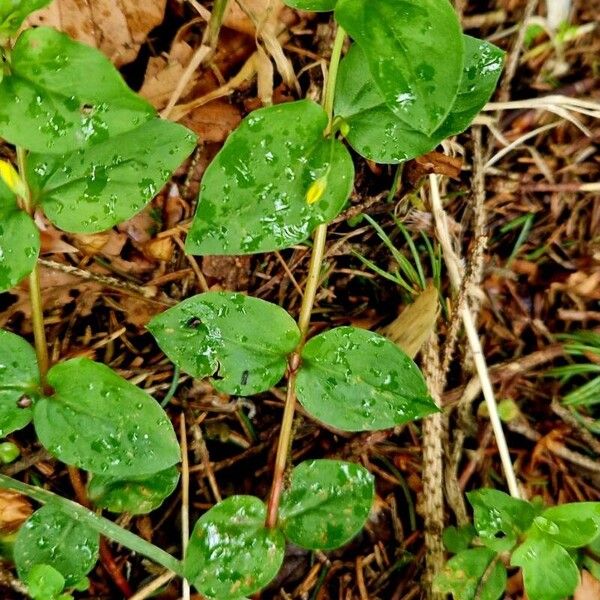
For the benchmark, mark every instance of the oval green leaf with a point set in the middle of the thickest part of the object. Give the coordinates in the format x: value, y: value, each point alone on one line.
x: 19, y: 241
x: 136, y: 495
x: 243, y: 342
x: 575, y: 524
x: 19, y: 379
x: 376, y: 133
x: 462, y: 576
x: 230, y: 553
x: 253, y: 196
x: 92, y: 189
x: 357, y: 380
x: 44, y: 582
x: 14, y: 12
x: 51, y: 537
x: 312, y: 5
x: 100, y: 422
x: 414, y: 49
x: 549, y: 572
x: 327, y: 503
x: 498, y: 518
x: 69, y: 95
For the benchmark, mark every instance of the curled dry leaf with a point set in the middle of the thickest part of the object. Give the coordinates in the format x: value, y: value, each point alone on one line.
x: 117, y: 28
x: 588, y: 588
x: 213, y: 122
x: 412, y: 328
x: 248, y: 16
x: 14, y: 511
x: 164, y: 73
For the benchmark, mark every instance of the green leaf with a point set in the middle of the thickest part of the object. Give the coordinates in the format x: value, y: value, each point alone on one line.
x: 51, y: 537
x: 498, y: 518
x: 470, y: 576
x: 549, y: 572
x: 242, y: 341
x: 327, y: 503
x: 312, y: 5
x: 14, y: 12
x: 19, y: 241
x: 573, y: 525
x: 102, y: 423
x: 69, y: 95
x: 414, y: 49
x: 19, y: 378
x: 230, y: 552
x: 44, y: 582
x: 136, y: 495
x: 457, y: 539
x: 378, y: 134
x: 94, y: 188
x: 254, y: 195
x: 357, y: 380
x: 481, y: 70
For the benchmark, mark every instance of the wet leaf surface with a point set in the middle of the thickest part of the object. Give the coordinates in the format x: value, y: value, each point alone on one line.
x: 377, y: 133
x: 498, y: 518
x: 243, y: 342
x: 572, y: 525
x: 549, y: 572
x: 231, y: 554
x: 102, y: 423
x: 58, y: 109
x: 136, y: 495
x: 52, y: 537
x: 92, y: 189
x: 326, y: 504
x: 462, y: 576
x: 19, y: 241
x: 357, y: 380
x: 253, y: 196
x: 407, y: 44
x: 19, y: 382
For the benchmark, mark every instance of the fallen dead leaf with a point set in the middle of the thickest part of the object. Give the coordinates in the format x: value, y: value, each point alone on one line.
x: 117, y: 28
x: 412, y: 328
x: 247, y: 16
x: 588, y: 589
x: 15, y: 509
x: 213, y: 122
x: 164, y: 73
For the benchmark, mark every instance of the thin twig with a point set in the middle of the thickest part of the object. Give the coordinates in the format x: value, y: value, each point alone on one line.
x: 452, y: 263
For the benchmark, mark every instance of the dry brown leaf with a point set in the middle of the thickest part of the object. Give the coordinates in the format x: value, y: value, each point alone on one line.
x: 213, y: 122
x: 412, y: 328
x: 117, y: 28
x: 159, y: 248
x: 51, y: 239
x: 261, y: 13
x: 164, y: 72
x: 588, y: 588
x: 15, y: 509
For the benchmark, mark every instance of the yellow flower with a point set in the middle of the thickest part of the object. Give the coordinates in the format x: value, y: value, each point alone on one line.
x: 11, y: 178
x: 316, y: 190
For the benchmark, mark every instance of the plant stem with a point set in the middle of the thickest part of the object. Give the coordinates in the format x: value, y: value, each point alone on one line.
x: 308, y: 300
x: 35, y: 290
x: 97, y: 523
x: 336, y: 55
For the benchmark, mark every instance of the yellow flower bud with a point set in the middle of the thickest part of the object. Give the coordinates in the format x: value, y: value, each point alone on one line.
x: 316, y: 190
x: 11, y: 178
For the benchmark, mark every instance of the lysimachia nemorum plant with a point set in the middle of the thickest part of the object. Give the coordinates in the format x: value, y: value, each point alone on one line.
x: 90, y: 153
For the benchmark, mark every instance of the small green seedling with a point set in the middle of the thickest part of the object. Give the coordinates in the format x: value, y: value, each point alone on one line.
x: 547, y: 544
x: 90, y: 153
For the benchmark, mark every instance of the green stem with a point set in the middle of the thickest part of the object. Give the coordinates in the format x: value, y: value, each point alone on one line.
x: 336, y: 55
x: 35, y: 289
x: 308, y: 300
x: 216, y: 20
x: 97, y: 523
